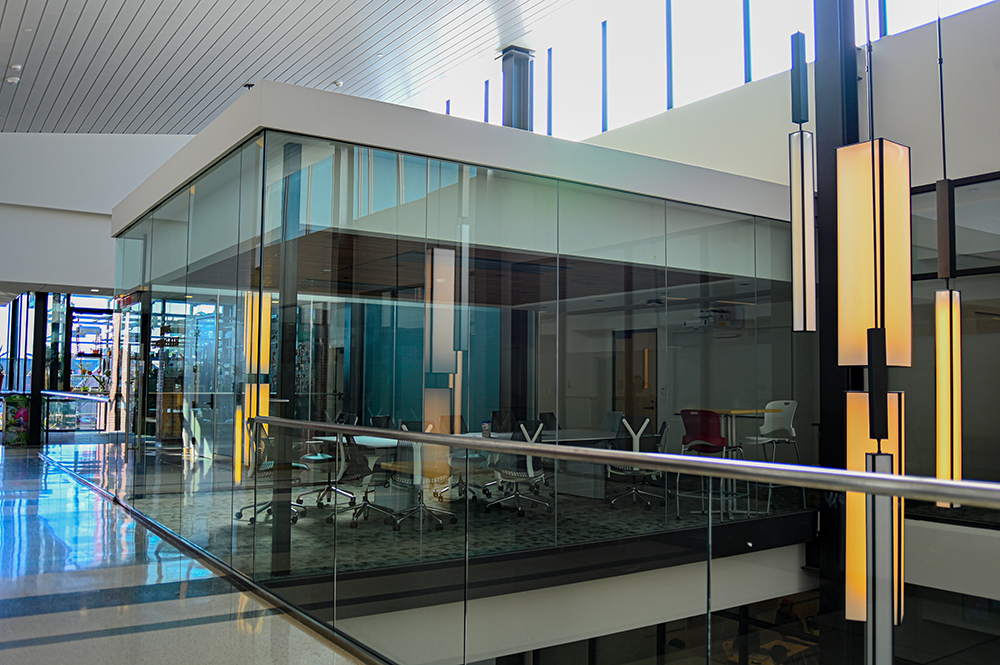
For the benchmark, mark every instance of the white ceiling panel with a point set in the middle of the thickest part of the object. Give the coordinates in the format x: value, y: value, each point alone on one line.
x: 171, y: 66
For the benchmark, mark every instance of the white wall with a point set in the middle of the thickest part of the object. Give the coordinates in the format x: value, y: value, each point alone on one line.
x: 742, y: 131
x: 529, y: 620
x: 745, y: 130
x: 954, y: 558
x: 56, y: 196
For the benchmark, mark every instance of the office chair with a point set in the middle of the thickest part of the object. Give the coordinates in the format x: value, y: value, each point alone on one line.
x: 549, y: 421
x: 411, y: 471
x: 503, y: 421
x: 778, y: 428
x: 630, y: 437
x: 322, y: 460
x: 460, y: 457
x: 610, y: 421
x: 514, y: 470
x: 703, y: 436
x: 352, y: 469
x: 263, y: 467
x: 385, y: 422
x: 416, y: 426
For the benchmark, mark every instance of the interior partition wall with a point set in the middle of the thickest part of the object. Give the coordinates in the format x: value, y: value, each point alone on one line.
x: 317, y: 280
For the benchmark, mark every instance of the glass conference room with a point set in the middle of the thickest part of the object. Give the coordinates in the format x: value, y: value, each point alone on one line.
x: 307, y: 279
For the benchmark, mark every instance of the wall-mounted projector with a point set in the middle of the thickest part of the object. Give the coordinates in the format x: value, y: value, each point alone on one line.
x: 715, y: 318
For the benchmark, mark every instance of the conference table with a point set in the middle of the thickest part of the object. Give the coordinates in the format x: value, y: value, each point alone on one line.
x: 575, y: 478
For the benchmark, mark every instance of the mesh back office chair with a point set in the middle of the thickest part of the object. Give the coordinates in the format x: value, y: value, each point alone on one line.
x: 633, y: 436
x: 778, y: 428
x: 352, y: 468
x: 262, y: 466
x: 411, y: 471
x: 503, y: 421
x: 610, y: 421
x: 703, y: 436
x: 516, y: 470
x: 385, y: 422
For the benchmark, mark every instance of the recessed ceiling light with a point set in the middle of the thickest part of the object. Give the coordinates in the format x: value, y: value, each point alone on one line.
x: 339, y: 83
x: 13, y: 80
x: 189, y: 296
x: 327, y: 270
x: 379, y: 54
x: 29, y: 29
x: 95, y: 290
x: 16, y: 68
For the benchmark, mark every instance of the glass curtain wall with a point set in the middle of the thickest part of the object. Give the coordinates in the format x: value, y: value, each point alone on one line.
x: 323, y: 281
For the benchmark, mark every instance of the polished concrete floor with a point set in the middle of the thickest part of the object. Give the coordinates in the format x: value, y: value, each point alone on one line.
x: 82, y: 582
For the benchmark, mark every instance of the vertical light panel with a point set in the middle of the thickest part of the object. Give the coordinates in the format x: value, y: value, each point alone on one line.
x: 803, y: 179
x: 859, y: 445
x: 873, y: 243
x: 257, y: 361
x: 948, y: 380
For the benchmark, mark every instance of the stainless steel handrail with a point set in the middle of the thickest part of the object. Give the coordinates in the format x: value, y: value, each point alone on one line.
x: 971, y: 493
x: 81, y: 396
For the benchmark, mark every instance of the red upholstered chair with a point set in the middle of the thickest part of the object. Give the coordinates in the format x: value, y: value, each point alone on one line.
x: 703, y: 436
x: 702, y: 432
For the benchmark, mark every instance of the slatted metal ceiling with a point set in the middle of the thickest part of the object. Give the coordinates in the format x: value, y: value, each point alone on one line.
x: 171, y: 66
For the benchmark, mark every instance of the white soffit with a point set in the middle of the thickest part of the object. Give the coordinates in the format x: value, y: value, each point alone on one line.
x: 368, y: 123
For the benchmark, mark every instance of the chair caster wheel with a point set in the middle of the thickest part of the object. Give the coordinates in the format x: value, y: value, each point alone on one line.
x: 611, y: 506
x: 520, y: 513
x: 353, y: 525
x: 294, y: 519
x: 396, y: 527
x: 487, y: 493
x: 391, y: 521
x: 453, y: 520
x: 299, y: 501
x: 473, y: 498
x: 329, y: 520
x: 320, y: 504
x: 649, y: 506
x: 251, y: 520
x: 352, y: 503
x: 268, y: 511
x: 302, y: 513
x: 365, y: 518
x: 535, y: 491
x: 239, y: 515
x: 439, y: 527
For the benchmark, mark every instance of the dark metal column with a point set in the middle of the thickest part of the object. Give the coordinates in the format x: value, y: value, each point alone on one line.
x: 517, y: 88
x: 288, y: 297
x: 841, y: 642
x: 37, y: 369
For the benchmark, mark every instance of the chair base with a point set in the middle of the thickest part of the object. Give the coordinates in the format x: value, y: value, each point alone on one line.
x: 418, y: 511
x: 327, y: 492
x: 637, y: 492
x: 363, y: 511
x: 463, y: 489
x: 266, y: 507
x: 516, y: 497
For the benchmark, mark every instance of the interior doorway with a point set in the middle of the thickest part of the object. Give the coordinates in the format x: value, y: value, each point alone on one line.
x: 635, y: 374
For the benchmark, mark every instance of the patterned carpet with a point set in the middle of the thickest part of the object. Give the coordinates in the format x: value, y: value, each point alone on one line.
x: 197, y: 500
